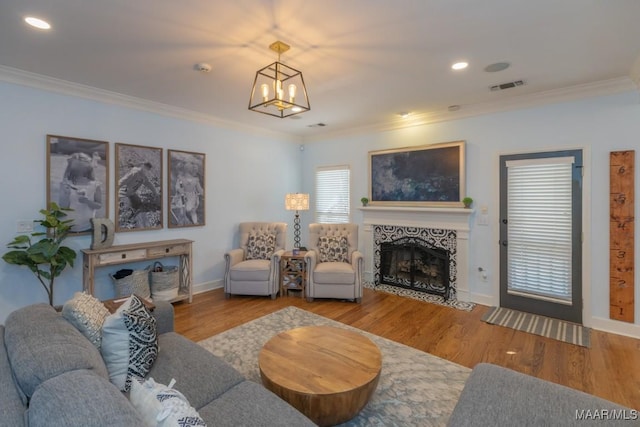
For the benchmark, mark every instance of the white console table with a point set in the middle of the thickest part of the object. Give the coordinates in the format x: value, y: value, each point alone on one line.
x: 121, y: 254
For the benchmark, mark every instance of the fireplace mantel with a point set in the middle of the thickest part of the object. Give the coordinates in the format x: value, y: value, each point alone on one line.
x: 457, y: 219
x: 444, y: 218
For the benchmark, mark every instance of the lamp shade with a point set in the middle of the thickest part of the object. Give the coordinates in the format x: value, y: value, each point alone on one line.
x: 296, y: 202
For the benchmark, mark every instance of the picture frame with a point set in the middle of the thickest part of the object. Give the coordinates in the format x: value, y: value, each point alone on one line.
x: 427, y: 175
x: 186, y: 184
x: 78, y: 178
x: 138, y: 179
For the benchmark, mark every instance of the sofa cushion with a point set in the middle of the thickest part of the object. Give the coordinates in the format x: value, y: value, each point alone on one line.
x: 496, y: 396
x: 11, y: 407
x: 333, y: 249
x: 200, y: 376
x: 255, y: 270
x: 80, y: 398
x: 336, y: 273
x: 41, y: 344
x: 129, y: 342
x: 260, y: 245
x: 87, y: 314
x: 162, y: 406
x: 248, y: 402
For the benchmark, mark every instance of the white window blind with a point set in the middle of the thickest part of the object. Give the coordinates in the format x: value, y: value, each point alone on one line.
x: 332, y: 194
x: 540, y: 222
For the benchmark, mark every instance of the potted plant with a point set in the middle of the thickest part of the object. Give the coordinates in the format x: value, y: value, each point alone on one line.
x: 364, y: 201
x: 467, y: 201
x: 46, y: 258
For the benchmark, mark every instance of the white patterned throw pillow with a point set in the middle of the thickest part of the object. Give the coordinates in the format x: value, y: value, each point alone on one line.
x: 161, y: 405
x: 129, y: 342
x: 333, y: 249
x: 87, y: 314
x: 260, y: 245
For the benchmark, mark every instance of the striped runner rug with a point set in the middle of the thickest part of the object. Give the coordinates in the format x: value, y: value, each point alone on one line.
x: 560, y: 330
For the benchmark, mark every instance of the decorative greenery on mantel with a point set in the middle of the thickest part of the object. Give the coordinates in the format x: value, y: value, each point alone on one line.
x: 46, y: 258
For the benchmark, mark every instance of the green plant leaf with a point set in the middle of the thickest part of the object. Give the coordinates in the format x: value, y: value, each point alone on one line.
x: 46, y: 258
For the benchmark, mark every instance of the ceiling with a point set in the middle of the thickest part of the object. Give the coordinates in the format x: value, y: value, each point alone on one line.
x: 363, y: 61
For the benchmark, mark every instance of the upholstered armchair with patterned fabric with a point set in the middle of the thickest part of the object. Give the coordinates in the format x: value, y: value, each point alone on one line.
x: 334, y: 263
x: 254, y: 268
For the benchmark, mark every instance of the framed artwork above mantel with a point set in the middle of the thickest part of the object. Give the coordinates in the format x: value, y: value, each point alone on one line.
x: 428, y: 175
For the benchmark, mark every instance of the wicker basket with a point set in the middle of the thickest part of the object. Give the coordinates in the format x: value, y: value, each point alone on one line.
x: 165, y: 282
x: 135, y: 283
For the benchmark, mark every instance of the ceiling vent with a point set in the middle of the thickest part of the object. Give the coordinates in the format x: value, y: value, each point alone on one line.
x: 504, y: 86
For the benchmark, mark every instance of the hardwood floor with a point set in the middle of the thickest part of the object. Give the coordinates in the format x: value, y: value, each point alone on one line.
x: 609, y: 369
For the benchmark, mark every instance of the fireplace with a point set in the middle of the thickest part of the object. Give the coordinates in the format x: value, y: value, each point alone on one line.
x: 439, y: 230
x: 415, y: 258
x: 412, y: 263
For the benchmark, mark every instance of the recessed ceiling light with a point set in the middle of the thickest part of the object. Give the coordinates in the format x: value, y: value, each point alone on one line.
x: 37, y: 23
x: 403, y: 114
x: 511, y: 352
x: 453, y: 107
x: 460, y: 65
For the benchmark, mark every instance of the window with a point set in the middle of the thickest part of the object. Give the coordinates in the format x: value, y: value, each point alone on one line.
x: 332, y: 194
x: 540, y: 227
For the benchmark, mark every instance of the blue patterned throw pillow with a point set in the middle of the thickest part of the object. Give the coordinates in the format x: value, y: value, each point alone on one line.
x: 129, y: 343
x: 333, y: 249
x: 260, y: 245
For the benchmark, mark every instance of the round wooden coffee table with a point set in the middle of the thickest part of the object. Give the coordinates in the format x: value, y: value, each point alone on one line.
x: 327, y: 373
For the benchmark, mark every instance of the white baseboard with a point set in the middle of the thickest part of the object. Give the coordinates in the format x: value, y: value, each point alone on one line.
x: 479, y: 299
x: 616, y: 327
x: 207, y: 286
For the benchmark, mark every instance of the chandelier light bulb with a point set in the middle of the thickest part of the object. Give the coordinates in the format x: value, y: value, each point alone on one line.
x: 292, y: 93
x: 279, y: 91
x: 265, y: 92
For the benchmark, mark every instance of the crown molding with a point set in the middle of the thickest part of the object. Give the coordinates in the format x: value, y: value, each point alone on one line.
x: 571, y: 93
x: 64, y: 87
x: 599, y: 88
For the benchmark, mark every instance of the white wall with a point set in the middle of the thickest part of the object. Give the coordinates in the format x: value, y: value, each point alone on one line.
x: 598, y: 125
x: 244, y: 181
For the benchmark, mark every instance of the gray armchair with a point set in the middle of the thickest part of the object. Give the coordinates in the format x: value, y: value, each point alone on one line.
x: 254, y: 268
x: 334, y: 263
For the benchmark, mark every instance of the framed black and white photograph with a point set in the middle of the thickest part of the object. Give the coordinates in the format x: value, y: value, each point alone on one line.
x: 186, y: 181
x: 139, y: 187
x: 430, y: 175
x: 78, y: 178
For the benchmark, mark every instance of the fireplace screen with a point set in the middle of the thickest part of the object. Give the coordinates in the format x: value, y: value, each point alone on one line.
x: 412, y: 263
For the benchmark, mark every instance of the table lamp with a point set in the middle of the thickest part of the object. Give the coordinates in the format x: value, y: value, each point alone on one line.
x: 296, y: 202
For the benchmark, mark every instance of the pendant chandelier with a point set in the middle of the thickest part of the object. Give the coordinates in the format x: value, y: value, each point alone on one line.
x: 279, y: 90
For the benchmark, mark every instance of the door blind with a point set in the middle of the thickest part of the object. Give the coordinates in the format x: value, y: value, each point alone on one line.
x: 332, y: 194
x: 540, y: 228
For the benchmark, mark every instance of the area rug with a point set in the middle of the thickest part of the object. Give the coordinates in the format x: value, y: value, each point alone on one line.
x: 544, y: 326
x: 421, y: 296
x: 415, y: 388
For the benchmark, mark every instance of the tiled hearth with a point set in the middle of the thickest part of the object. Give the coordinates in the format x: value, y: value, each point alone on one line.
x: 446, y: 228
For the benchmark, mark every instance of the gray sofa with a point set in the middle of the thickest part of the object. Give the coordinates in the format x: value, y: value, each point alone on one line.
x: 496, y: 396
x: 51, y: 375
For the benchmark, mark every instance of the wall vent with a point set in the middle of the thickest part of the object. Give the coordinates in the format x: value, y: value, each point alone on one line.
x: 509, y: 85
